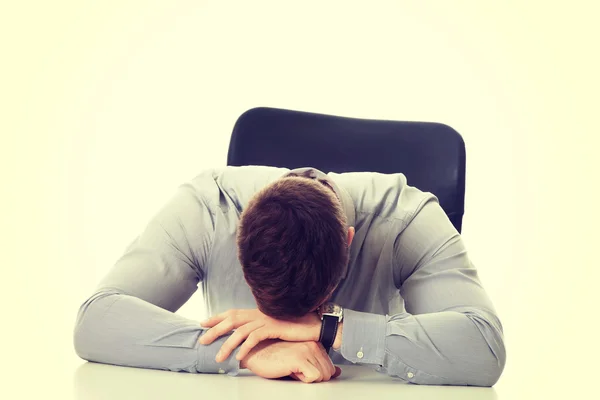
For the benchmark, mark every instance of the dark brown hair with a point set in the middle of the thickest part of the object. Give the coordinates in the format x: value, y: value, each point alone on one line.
x: 292, y: 244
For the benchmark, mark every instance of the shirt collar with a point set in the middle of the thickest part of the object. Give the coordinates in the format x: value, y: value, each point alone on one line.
x: 342, y: 194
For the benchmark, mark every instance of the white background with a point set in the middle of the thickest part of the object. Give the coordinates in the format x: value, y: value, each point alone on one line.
x: 106, y: 107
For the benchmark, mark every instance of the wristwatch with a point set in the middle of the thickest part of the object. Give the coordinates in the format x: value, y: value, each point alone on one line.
x: 331, y: 315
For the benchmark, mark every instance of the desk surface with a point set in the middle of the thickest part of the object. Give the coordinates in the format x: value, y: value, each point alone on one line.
x: 97, y: 381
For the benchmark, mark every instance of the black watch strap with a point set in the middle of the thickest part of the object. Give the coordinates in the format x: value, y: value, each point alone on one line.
x: 329, y: 327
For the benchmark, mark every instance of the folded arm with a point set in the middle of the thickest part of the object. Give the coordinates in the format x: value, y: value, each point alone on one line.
x: 130, y: 320
x: 449, y: 334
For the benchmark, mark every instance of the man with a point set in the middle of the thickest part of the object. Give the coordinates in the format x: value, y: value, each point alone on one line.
x: 292, y: 263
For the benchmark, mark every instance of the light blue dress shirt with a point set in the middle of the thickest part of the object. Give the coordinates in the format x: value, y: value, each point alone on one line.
x: 414, y: 306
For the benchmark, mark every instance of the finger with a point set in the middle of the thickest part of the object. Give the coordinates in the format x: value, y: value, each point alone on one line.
x: 215, y: 319
x: 236, y: 339
x: 218, y: 330
x: 253, y: 339
x: 308, y: 372
x: 327, y: 359
x: 212, y: 321
x: 324, y: 360
x: 323, y: 364
x: 243, y: 315
x: 310, y: 357
x: 338, y: 372
x: 295, y: 376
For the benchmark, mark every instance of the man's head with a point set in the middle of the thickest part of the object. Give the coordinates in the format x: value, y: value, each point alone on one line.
x: 293, y: 244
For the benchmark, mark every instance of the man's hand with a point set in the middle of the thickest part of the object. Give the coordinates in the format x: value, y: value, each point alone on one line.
x: 252, y: 327
x: 304, y: 361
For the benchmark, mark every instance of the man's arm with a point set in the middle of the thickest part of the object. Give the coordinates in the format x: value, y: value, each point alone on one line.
x: 450, y: 334
x: 130, y: 319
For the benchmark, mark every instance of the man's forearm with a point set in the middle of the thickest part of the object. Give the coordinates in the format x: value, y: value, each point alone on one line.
x: 452, y: 348
x: 114, y: 328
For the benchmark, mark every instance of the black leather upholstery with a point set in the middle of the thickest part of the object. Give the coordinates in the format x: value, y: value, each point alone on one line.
x: 431, y: 155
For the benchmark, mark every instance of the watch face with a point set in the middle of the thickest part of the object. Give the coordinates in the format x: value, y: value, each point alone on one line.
x: 332, y: 309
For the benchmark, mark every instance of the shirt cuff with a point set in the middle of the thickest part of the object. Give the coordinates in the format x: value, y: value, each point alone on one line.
x: 207, y: 363
x: 363, y: 337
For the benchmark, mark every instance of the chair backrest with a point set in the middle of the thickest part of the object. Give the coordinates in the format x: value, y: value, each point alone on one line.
x: 430, y: 155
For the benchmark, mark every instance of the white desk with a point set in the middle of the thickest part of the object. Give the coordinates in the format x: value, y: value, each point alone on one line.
x: 96, y: 381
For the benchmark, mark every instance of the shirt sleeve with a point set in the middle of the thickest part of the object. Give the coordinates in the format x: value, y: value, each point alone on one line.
x: 130, y: 320
x: 450, y: 333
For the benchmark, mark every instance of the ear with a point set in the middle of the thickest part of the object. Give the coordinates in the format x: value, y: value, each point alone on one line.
x: 350, y: 235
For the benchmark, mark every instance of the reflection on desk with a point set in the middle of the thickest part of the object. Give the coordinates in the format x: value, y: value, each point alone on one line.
x: 98, y: 381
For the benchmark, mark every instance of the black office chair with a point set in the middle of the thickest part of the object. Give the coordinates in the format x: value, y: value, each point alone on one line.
x: 430, y: 155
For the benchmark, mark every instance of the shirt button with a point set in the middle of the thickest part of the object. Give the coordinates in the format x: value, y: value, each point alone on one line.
x: 410, y: 374
x: 221, y: 371
x: 360, y: 354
